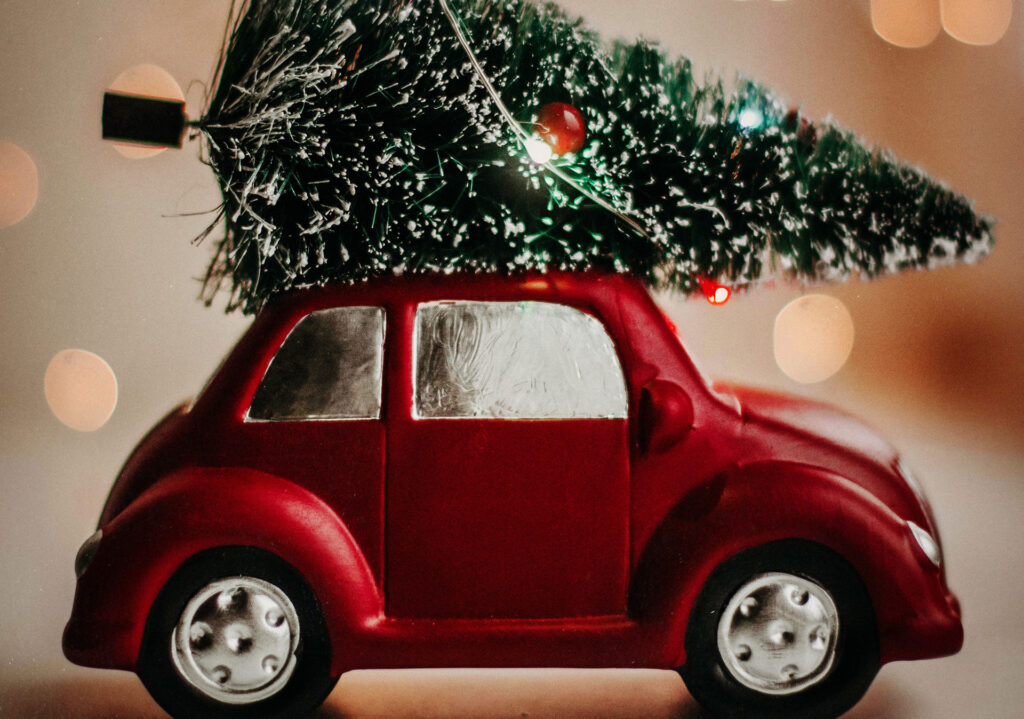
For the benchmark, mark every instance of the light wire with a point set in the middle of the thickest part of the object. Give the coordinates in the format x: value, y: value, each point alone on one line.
x: 524, y: 137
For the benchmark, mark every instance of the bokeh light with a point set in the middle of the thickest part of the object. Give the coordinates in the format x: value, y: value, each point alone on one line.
x: 977, y: 22
x: 19, y: 184
x: 813, y: 338
x: 151, y: 81
x: 906, y: 23
x: 81, y: 389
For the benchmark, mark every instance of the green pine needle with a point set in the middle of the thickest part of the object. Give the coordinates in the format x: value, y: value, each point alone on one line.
x: 354, y: 139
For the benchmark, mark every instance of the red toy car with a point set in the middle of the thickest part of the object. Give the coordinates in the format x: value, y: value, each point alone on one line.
x: 500, y: 472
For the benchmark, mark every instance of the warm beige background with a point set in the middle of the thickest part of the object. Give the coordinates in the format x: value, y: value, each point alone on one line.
x: 104, y: 263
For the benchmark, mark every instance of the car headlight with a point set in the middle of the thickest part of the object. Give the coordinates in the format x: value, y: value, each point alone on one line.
x: 927, y: 544
x: 87, y: 553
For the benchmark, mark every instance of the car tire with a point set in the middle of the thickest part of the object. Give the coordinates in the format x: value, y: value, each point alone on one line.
x: 783, y: 630
x: 236, y: 632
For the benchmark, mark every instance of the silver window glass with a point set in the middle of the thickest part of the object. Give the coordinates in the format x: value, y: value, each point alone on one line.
x: 329, y: 367
x: 514, y: 360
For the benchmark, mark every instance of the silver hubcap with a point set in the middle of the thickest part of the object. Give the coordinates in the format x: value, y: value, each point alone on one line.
x: 778, y: 634
x: 236, y: 640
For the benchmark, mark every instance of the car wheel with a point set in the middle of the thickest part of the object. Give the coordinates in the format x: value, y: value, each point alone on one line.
x: 236, y: 632
x: 783, y: 630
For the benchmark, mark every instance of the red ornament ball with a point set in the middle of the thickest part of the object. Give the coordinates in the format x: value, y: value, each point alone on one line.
x: 562, y: 126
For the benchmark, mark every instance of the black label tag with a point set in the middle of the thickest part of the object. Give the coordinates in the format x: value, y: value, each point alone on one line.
x: 143, y: 120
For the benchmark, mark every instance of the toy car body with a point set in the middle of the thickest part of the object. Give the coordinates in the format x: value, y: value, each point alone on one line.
x: 503, y: 472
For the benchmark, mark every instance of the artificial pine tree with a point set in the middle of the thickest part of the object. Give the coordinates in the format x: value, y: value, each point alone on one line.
x: 357, y: 138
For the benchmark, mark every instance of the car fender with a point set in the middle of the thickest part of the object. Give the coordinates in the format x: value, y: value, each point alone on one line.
x: 197, y: 509
x: 746, y: 507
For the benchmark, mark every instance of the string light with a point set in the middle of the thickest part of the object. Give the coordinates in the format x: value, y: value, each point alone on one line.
x: 525, y: 138
x: 751, y: 118
x: 538, y: 150
x: 715, y: 292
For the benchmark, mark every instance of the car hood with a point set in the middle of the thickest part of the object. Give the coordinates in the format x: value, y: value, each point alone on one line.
x: 858, y: 452
x: 811, y: 418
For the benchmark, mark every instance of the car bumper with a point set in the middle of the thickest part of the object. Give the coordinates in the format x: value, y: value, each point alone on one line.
x: 97, y: 644
x: 935, y: 630
x: 101, y: 632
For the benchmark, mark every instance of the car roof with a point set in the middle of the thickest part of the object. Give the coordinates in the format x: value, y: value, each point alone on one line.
x: 569, y: 287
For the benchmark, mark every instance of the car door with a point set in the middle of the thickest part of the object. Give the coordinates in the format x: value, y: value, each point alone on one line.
x: 315, y: 417
x: 508, y: 469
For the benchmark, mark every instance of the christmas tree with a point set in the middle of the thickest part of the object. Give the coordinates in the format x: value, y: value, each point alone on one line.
x: 364, y: 137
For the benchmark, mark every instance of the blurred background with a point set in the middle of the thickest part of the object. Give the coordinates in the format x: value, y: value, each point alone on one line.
x: 105, y: 334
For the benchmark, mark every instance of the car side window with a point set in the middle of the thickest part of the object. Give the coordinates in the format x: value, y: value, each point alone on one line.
x: 329, y: 367
x: 514, y: 360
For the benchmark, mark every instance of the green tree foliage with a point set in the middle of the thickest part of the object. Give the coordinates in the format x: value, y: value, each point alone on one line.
x: 355, y: 139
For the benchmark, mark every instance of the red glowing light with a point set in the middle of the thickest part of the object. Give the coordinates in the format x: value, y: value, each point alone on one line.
x: 715, y: 292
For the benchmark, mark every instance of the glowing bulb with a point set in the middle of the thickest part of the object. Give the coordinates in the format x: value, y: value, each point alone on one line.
x: 81, y: 389
x: 19, y: 184
x: 715, y: 293
x: 813, y: 338
x: 976, y: 22
x: 750, y: 118
x: 538, y: 150
x: 906, y: 23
